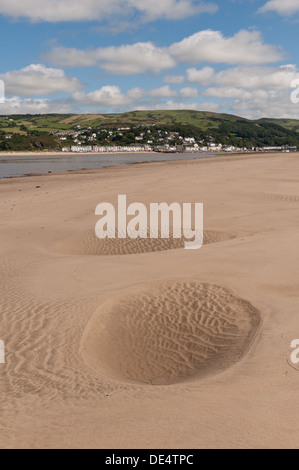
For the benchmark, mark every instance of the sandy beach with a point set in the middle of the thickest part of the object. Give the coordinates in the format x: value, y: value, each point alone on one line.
x: 114, y: 344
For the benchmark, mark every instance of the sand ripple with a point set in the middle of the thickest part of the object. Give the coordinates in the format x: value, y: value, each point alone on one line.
x: 86, y: 243
x: 170, y: 332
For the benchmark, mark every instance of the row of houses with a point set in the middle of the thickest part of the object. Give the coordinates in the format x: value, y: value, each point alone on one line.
x: 284, y: 148
x: 171, y: 149
x: 106, y: 149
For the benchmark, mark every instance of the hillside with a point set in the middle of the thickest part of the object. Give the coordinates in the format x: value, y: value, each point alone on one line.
x: 290, y: 124
x: 29, y: 132
x: 65, y: 122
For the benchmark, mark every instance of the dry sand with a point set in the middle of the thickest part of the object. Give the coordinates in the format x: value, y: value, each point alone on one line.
x: 142, y: 344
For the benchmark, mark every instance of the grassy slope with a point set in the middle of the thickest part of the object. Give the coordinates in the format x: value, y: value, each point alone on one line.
x: 60, y: 122
x: 54, y: 123
x: 290, y: 124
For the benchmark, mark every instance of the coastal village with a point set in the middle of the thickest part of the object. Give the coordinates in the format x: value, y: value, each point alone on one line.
x: 189, y: 133
x: 147, y: 138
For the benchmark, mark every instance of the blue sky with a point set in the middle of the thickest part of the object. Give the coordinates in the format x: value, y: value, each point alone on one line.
x: 97, y: 56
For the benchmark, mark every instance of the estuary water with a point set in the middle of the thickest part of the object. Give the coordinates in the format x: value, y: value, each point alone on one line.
x: 21, y: 165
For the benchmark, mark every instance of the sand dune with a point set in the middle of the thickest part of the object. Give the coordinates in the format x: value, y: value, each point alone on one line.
x: 86, y: 243
x: 170, y: 332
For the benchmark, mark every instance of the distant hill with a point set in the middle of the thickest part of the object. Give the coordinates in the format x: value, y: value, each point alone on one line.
x: 65, y: 122
x: 36, y: 131
x: 290, y: 124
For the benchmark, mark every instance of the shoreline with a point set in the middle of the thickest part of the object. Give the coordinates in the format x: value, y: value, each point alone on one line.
x: 93, y: 171
x: 68, y: 154
x: 55, y: 153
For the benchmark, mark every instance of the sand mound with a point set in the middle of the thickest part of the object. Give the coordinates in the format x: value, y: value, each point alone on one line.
x: 86, y: 243
x: 170, y: 332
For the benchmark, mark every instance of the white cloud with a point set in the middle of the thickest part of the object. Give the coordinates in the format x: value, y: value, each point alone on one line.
x: 259, y: 77
x: 172, y: 9
x: 245, y: 47
x: 210, y: 106
x: 123, y: 60
x: 173, y: 105
x: 255, y: 92
x: 16, y: 105
x: 252, y: 92
x: 38, y: 80
x: 285, y: 7
x: 251, y: 104
x: 231, y: 92
x: 189, y: 92
x: 275, y: 105
x: 202, y: 76
x: 253, y: 78
x: 174, y: 79
x: 113, y: 98
x: 107, y: 96
x: 136, y: 94
x: 90, y: 10
x: 162, y: 92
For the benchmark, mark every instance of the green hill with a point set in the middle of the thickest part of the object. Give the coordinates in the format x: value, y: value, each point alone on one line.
x: 65, y: 122
x: 37, y: 131
x: 290, y: 124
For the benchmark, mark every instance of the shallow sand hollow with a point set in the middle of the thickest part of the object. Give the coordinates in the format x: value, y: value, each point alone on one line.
x: 170, y: 332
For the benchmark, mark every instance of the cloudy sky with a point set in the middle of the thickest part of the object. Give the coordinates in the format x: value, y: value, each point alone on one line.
x: 96, y: 56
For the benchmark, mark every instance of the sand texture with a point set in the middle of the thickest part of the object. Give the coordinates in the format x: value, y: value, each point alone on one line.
x: 169, y: 333
x: 140, y: 343
x: 87, y: 243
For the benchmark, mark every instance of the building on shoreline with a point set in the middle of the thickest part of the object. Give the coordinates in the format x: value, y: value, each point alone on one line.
x: 106, y: 149
x: 171, y: 149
